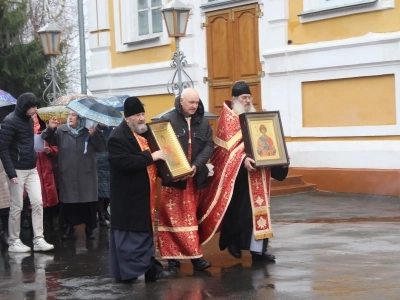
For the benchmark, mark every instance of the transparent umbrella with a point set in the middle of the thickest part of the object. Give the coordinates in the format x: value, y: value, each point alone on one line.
x: 6, y: 97
x: 92, y: 110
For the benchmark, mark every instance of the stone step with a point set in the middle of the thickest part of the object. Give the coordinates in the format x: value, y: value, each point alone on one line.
x: 292, y: 189
x: 289, y: 180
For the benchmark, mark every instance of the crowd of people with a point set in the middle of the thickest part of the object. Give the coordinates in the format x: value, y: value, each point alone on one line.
x: 83, y: 170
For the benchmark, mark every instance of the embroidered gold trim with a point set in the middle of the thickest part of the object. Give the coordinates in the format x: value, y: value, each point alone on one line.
x: 178, y: 229
x: 228, y: 145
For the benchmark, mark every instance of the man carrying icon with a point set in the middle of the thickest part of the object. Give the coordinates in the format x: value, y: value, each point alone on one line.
x: 237, y: 200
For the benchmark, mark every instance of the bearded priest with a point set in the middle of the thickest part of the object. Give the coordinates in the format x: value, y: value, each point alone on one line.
x: 230, y: 203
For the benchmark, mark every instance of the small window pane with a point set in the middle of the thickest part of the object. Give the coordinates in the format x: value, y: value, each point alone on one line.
x: 156, y: 20
x: 155, y: 3
x: 143, y: 23
x: 142, y: 4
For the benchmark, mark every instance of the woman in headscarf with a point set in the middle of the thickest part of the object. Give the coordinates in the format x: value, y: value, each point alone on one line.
x: 77, y: 147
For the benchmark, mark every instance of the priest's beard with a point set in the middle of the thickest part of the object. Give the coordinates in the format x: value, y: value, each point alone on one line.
x: 140, y: 128
x: 239, y: 108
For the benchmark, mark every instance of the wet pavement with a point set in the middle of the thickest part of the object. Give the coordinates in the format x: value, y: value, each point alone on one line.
x: 328, y: 246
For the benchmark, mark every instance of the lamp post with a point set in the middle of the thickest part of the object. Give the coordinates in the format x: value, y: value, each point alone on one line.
x: 50, y: 37
x: 176, y: 16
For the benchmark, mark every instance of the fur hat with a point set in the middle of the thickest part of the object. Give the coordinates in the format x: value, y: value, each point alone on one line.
x: 240, y: 88
x: 132, y: 106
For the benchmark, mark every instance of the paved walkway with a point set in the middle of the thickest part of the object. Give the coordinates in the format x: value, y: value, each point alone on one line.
x: 328, y: 246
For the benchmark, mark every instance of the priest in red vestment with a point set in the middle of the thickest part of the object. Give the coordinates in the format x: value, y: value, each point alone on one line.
x: 177, y: 226
x: 236, y: 202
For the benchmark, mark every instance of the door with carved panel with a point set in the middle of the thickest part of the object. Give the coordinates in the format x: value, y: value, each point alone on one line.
x: 232, y: 53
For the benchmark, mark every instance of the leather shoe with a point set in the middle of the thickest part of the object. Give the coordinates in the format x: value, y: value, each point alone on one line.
x: 173, y: 265
x: 234, y: 251
x: 148, y: 277
x: 126, y: 281
x: 200, y: 264
x: 262, y: 257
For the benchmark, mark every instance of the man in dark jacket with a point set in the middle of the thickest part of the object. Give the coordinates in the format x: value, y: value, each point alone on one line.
x: 133, y: 176
x: 177, y: 231
x: 19, y: 159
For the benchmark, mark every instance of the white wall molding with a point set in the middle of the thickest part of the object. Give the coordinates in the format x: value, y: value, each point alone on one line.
x: 206, y: 7
x: 315, y: 10
x: 370, y: 49
x: 365, y: 40
x: 345, y: 154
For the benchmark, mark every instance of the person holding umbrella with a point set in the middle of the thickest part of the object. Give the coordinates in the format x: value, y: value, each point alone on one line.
x: 77, y: 147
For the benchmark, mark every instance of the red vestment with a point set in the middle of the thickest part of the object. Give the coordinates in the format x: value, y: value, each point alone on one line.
x: 227, y: 160
x: 177, y: 222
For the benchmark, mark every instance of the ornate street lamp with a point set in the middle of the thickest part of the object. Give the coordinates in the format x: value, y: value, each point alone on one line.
x: 176, y: 16
x: 50, y: 37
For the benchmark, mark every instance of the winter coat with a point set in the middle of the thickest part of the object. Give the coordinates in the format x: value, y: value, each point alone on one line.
x: 45, y: 168
x: 16, y: 139
x: 77, y: 171
x: 202, y: 142
x: 4, y: 191
x: 129, y: 181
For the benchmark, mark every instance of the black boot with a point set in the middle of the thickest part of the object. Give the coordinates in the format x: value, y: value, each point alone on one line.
x: 173, y: 265
x: 89, y: 233
x: 256, y: 256
x: 200, y: 264
x: 264, y: 255
x: 156, y: 272
x: 69, y: 232
x: 234, y: 250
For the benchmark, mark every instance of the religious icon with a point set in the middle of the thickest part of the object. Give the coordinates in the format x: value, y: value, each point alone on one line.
x: 263, y: 138
x: 265, y: 145
x: 170, y: 155
x: 161, y: 136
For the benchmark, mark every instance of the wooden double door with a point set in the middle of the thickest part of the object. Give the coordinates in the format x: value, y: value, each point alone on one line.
x: 232, y: 53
